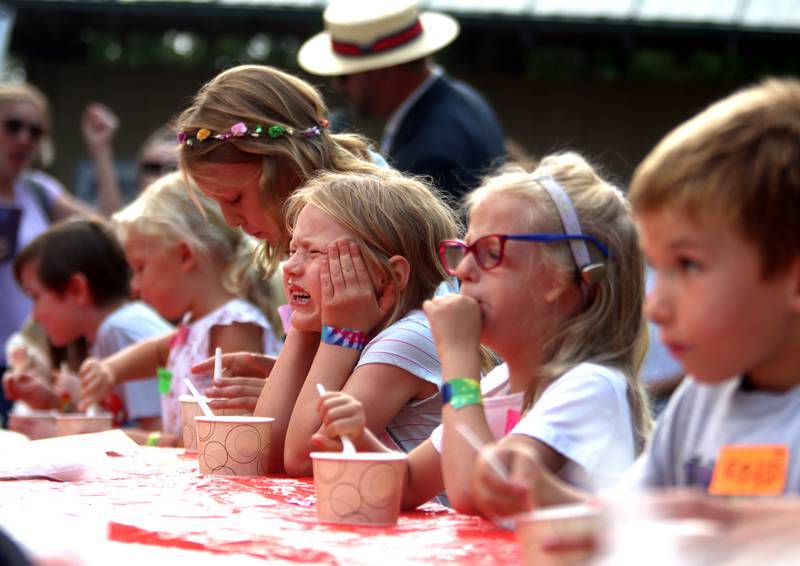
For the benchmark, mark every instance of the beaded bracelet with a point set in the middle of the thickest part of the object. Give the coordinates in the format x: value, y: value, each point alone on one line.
x: 344, y: 337
x: 462, y: 392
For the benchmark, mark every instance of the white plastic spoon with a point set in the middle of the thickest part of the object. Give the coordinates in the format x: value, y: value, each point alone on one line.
x: 199, y: 398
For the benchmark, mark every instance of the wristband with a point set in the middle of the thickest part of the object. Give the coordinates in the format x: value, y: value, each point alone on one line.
x: 344, y: 337
x: 153, y: 438
x: 462, y: 392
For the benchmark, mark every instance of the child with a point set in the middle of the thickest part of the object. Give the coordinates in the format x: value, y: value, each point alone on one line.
x: 362, y: 261
x: 78, y: 279
x: 716, y: 204
x: 188, y: 264
x: 552, y: 280
x: 251, y: 137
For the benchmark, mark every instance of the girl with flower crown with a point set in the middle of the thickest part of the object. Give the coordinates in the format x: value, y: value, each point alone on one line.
x: 251, y: 137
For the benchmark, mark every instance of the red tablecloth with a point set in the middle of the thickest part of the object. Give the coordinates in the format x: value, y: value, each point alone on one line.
x: 158, y: 498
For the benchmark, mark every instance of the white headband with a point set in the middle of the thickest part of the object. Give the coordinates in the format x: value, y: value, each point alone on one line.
x: 570, y: 223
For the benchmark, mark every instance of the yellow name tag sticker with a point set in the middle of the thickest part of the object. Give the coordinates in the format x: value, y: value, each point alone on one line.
x: 750, y: 470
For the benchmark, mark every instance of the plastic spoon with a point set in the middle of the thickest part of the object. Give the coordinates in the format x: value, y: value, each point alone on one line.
x: 197, y: 397
x: 217, y: 364
x: 347, y: 445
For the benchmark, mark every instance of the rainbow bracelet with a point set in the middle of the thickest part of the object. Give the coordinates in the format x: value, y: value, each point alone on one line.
x: 462, y: 392
x: 344, y: 337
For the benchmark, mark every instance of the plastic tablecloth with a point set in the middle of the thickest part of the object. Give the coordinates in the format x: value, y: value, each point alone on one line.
x: 156, y: 499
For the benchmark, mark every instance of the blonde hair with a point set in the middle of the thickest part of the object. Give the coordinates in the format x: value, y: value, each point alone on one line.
x: 610, y: 328
x: 739, y: 158
x: 387, y: 214
x: 25, y: 92
x: 168, y: 211
x: 264, y: 96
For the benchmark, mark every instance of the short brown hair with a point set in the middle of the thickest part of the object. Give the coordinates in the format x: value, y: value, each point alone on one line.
x: 740, y: 157
x: 86, y: 246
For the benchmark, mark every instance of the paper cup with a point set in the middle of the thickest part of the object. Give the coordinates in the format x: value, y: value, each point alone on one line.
x: 572, y: 525
x: 364, y: 488
x: 36, y: 425
x: 233, y: 445
x: 78, y: 423
x: 190, y: 409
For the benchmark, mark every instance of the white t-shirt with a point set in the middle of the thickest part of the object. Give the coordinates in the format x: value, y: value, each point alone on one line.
x: 131, y: 323
x: 584, y: 415
x: 191, y: 346
x: 408, y: 344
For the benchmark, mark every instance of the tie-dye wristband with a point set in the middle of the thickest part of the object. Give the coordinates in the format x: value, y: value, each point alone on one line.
x: 344, y: 337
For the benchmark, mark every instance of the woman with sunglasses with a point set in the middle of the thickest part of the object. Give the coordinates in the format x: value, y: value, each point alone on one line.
x: 552, y: 280
x: 29, y: 200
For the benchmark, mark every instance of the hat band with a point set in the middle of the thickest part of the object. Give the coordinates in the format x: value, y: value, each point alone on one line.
x: 381, y: 45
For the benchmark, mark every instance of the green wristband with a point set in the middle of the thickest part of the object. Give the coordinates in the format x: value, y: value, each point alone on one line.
x: 164, y: 380
x: 153, y: 438
x: 462, y: 392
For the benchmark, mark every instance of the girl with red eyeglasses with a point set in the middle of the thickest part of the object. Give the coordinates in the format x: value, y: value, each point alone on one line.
x: 29, y: 200
x: 552, y: 281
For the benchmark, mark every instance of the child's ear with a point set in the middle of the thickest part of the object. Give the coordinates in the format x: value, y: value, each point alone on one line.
x: 78, y: 290
x: 400, y: 270
x: 186, y: 256
x: 557, y: 287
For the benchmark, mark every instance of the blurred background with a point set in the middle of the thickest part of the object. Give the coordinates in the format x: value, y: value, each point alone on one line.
x: 605, y: 77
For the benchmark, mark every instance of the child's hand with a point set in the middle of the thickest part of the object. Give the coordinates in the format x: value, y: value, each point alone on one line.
x: 455, y: 323
x: 341, y: 414
x: 240, y: 364
x: 21, y: 386
x: 496, y: 496
x: 235, y: 393
x: 349, y: 299
x: 97, y: 381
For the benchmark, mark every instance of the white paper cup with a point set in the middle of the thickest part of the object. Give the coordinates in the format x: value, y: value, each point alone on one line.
x: 35, y: 425
x: 78, y: 423
x: 578, y: 524
x: 190, y: 409
x: 233, y: 445
x: 363, y: 488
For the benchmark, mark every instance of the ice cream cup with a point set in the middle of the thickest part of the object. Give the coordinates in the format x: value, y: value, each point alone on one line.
x: 79, y: 423
x: 233, y: 445
x: 362, y: 488
x: 191, y: 409
x: 35, y: 425
x: 572, y: 531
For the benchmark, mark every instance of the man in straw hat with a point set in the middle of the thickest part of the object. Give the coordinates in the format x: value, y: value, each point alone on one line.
x: 378, y: 55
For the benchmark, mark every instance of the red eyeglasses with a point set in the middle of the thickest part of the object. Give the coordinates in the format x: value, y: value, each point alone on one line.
x: 489, y: 250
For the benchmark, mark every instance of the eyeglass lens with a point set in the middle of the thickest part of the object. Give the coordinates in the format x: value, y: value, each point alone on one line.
x: 14, y: 126
x: 488, y: 252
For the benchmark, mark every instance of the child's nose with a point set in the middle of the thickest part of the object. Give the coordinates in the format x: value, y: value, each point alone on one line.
x: 466, y: 268
x: 292, y: 265
x: 656, y: 308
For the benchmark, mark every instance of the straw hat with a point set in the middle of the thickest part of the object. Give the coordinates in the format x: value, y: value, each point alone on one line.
x: 362, y: 35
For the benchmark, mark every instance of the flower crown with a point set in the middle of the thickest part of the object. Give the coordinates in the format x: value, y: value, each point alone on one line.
x: 240, y: 129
